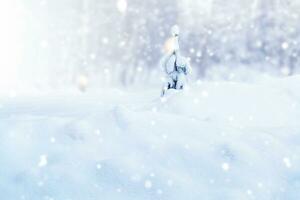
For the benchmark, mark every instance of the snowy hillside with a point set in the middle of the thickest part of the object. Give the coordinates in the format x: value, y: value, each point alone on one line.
x: 217, y: 140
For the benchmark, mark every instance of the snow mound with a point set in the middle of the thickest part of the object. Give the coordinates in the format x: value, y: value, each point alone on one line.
x: 213, y: 141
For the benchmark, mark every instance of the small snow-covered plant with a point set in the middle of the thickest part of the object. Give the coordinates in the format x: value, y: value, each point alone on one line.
x: 175, y: 66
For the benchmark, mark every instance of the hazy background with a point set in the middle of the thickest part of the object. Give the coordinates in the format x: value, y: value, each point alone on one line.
x: 98, y: 43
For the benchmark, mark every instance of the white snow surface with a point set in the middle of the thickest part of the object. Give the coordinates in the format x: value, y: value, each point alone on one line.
x: 216, y: 140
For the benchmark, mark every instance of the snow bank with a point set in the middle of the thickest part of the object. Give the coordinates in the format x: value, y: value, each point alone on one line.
x: 214, y: 141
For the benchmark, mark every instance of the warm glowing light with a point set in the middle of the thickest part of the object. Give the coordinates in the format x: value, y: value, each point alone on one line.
x: 82, y: 82
x: 169, y: 46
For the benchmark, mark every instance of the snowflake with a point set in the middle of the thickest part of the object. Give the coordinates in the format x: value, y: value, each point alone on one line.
x: 196, y: 101
x: 105, y: 40
x: 93, y: 56
x: 284, y: 45
x: 153, y: 123
x: 170, y: 183
x: 204, y: 93
x: 148, y: 184
x: 122, y: 5
x: 159, y: 191
x: 139, y: 69
x: 106, y: 71
x: 163, y: 99
x: 287, y: 162
x: 154, y: 109
x: 99, y: 166
x: 192, y: 50
x: 260, y: 185
x: 250, y: 118
x: 231, y: 118
x: 52, y: 140
x: 225, y: 166
x: 43, y: 161
x: 249, y: 192
x: 119, y: 190
x: 97, y: 132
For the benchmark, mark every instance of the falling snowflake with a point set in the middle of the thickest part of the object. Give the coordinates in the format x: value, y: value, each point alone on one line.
x: 97, y: 132
x: 99, y: 166
x: 153, y: 123
x: 170, y: 183
x: 287, y: 162
x: 105, y: 40
x: 122, y: 6
x: 43, y: 161
x: 249, y: 192
x: 159, y: 191
x: 285, y: 45
x: 119, y: 190
x: 52, y: 140
x: 231, y: 118
x: 225, y: 166
x: 148, y: 184
x: 260, y: 185
x: 204, y: 93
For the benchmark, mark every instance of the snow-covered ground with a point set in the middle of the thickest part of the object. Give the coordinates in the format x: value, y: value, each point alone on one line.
x: 217, y: 140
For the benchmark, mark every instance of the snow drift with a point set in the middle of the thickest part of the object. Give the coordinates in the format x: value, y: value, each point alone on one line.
x: 216, y: 140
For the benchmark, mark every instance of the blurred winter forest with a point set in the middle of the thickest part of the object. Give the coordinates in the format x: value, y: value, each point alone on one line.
x: 120, y: 42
